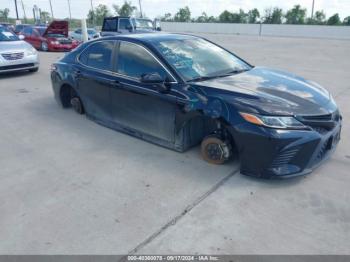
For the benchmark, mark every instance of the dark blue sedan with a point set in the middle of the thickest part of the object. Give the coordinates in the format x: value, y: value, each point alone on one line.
x: 179, y: 91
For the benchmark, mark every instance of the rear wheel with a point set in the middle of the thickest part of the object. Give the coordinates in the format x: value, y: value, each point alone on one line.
x: 44, y: 46
x: 215, y: 150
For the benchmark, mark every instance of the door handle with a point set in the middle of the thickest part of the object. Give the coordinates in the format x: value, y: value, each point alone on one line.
x: 116, y: 83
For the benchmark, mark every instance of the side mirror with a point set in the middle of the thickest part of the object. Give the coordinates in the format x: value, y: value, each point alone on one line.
x: 156, y: 81
x: 21, y: 37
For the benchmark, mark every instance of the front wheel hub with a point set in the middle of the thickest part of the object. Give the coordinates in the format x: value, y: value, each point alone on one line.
x: 215, y: 150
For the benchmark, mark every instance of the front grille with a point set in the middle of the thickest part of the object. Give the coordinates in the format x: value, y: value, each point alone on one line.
x: 13, y: 56
x: 321, y: 123
x: 65, y: 42
x: 284, y: 157
x: 24, y: 66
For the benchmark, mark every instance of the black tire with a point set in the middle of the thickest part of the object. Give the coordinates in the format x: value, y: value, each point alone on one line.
x: 44, y: 46
x: 214, y: 150
x: 34, y: 70
x: 77, y: 105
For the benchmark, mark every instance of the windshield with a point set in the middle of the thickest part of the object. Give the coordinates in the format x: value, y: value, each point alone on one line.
x: 198, y: 58
x: 143, y: 23
x: 55, y: 35
x: 91, y: 31
x: 6, y: 35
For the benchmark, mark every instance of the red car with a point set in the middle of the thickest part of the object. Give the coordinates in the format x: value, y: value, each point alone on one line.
x: 51, y: 38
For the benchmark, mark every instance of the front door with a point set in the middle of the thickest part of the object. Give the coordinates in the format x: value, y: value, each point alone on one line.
x: 138, y: 106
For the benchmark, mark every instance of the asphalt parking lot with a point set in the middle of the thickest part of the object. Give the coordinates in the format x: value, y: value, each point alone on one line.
x: 71, y: 186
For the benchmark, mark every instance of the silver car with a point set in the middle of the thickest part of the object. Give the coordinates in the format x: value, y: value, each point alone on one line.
x: 77, y: 34
x: 16, y: 54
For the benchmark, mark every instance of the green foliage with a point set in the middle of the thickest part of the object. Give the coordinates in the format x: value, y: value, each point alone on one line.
x: 296, y: 15
x: 273, y: 16
x: 45, y: 16
x: 228, y: 17
x: 167, y: 18
x: 183, y: 15
x: 96, y: 17
x: 253, y: 16
x: 334, y: 20
x: 346, y: 21
x: 127, y: 9
x: 4, y: 14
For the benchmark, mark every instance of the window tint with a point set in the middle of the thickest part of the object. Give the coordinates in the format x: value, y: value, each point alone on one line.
x: 98, y: 55
x: 109, y: 25
x: 134, y: 61
x: 124, y: 24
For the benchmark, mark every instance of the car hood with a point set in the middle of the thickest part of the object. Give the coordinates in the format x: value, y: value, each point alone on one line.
x: 57, y: 27
x: 270, y: 91
x: 12, y: 46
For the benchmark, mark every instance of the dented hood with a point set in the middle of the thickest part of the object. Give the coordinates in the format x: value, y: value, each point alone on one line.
x: 57, y: 27
x: 272, y: 92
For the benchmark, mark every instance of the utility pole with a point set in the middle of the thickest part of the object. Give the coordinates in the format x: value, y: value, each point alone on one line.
x: 92, y: 13
x: 51, y: 9
x: 312, y: 9
x: 16, y: 9
x: 140, y: 8
x: 24, y: 12
x: 70, y: 14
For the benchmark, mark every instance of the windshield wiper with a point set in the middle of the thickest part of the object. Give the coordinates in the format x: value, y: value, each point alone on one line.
x: 203, y: 78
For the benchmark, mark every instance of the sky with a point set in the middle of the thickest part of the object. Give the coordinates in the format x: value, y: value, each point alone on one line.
x: 157, y: 8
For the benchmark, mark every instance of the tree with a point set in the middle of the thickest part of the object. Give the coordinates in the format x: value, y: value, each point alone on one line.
x: 296, y: 15
x: 346, y: 21
x: 126, y: 9
x: 334, y: 20
x: 202, y: 18
x: 45, y: 16
x: 253, y: 16
x: 228, y: 17
x: 225, y: 17
x: 4, y: 14
x: 166, y: 18
x: 183, y: 15
x: 273, y: 16
x: 98, y: 14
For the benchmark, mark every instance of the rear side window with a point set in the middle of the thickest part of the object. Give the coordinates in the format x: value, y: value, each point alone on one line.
x: 124, y: 24
x: 134, y: 61
x: 98, y: 55
x: 109, y: 25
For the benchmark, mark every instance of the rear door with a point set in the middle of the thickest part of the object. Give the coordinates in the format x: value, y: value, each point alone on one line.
x: 138, y: 106
x: 95, y: 77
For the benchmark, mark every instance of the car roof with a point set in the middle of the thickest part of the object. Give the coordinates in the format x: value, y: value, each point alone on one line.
x: 153, y: 37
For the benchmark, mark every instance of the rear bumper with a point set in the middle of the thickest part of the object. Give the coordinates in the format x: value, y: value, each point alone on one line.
x: 271, y: 153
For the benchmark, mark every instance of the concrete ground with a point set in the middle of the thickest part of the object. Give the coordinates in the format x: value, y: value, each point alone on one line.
x: 70, y: 186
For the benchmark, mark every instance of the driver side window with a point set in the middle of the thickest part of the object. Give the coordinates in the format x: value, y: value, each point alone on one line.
x: 134, y: 61
x: 124, y: 24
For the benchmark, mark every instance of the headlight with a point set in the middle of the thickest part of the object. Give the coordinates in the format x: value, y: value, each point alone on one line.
x: 31, y: 51
x: 284, y: 122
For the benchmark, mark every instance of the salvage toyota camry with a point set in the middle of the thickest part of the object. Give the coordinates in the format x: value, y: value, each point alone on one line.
x: 178, y: 91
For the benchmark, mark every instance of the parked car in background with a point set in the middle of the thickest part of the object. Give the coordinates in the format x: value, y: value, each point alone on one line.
x: 20, y: 27
x: 51, y: 38
x: 127, y: 25
x: 8, y: 26
x: 180, y: 90
x: 77, y: 34
x: 16, y: 54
